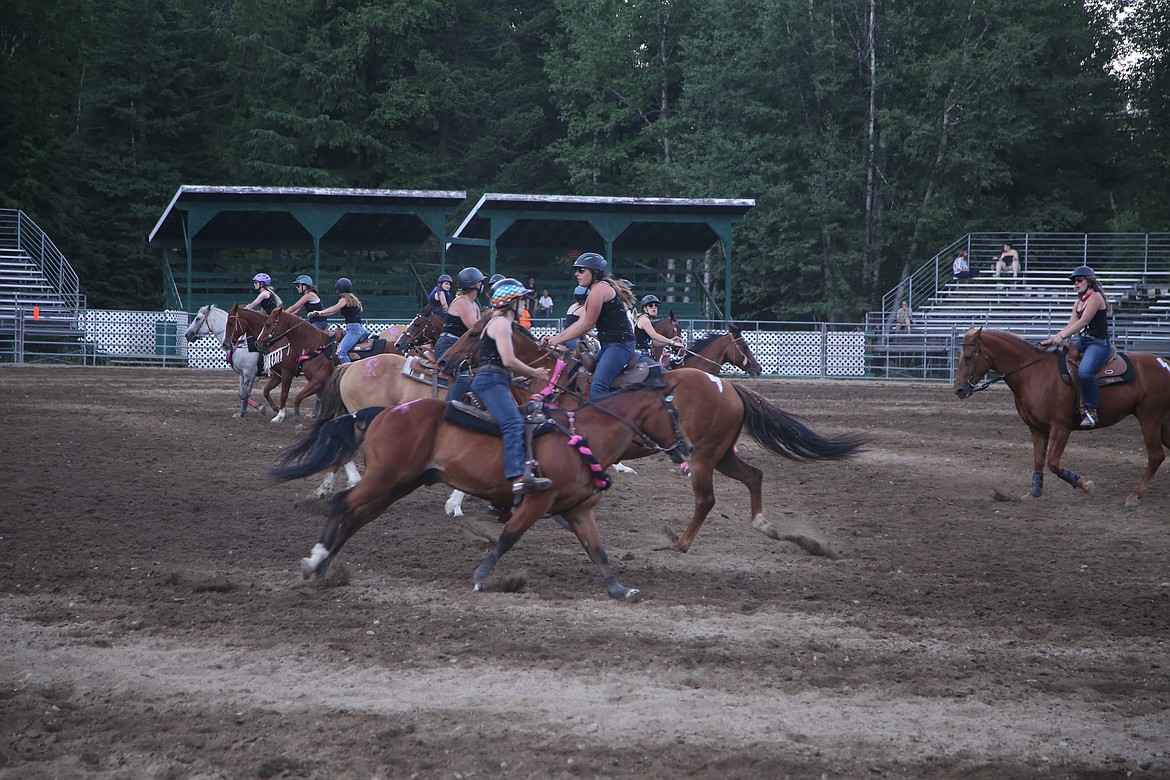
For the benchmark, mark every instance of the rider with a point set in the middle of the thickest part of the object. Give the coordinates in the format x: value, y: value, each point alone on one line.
x: 310, y: 300
x: 645, y: 337
x: 463, y: 313
x: 605, y: 307
x: 350, y: 308
x: 1090, y: 319
x: 266, y: 298
x: 493, y: 382
x: 576, y: 308
x: 440, y: 297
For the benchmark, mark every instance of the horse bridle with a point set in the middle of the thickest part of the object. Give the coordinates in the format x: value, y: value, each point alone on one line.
x: 742, y: 352
x: 420, y: 339
x: 282, y: 334
x: 978, y: 345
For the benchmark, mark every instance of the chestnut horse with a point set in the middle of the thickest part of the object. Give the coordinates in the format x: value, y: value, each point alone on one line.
x: 423, y: 329
x: 1048, y: 406
x: 713, y: 350
x: 297, y: 343
x: 668, y: 327
x: 245, y: 323
x: 412, y: 445
x: 712, y: 412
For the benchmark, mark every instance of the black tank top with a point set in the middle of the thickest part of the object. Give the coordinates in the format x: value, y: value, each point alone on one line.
x: 351, y: 314
x: 571, y: 318
x: 453, y: 324
x: 613, y: 324
x: 1098, y: 327
x: 268, y: 304
x: 642, y: 339
x: 489, y: 355
x: 309, y: 307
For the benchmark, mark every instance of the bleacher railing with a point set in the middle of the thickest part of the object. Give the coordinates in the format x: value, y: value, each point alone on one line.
x: 18, y: 231
x: 1145, y: 255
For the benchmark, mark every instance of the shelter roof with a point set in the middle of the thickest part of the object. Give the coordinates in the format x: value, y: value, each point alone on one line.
x: 553, y: 223
x: 290, y: 216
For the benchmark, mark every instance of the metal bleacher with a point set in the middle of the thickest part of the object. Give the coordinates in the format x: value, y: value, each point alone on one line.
x: 1134, y: 270
x: 42, y: 309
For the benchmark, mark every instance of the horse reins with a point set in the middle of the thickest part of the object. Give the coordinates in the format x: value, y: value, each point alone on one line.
x: 978, y: 344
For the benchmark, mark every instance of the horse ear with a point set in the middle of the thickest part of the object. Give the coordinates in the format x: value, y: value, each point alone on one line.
x: 672, y: 317
x: 733, y: 328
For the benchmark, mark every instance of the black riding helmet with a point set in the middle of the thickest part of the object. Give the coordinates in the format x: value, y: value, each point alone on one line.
x: 469, y: 277
x: 1082, y: 270
x: 344, y: 285
x: 647, y: 300
x: 580, y: 293
x: 594, y: 262
x: 495, y: 278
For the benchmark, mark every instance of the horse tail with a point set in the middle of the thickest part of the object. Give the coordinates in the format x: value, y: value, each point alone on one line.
x: 331, y: 403
x: 328, y: 445
x: 781, y: 433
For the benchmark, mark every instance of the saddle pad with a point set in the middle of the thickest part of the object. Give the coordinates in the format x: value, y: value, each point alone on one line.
x: 1106, y: 376
x: 376, y: 346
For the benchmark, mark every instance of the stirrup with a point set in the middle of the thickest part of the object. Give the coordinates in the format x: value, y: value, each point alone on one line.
x: 531, y: 485
x: 1089, y: 420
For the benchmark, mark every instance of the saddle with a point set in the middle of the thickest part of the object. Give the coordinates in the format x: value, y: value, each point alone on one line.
x: 475, y: 418
x: 1117, y: 369
x: 422, y: 370
x: 636, y: 371
x: 370, y: 347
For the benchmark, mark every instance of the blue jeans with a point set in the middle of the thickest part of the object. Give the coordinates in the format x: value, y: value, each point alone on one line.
x: 610, y: 361
x: 1094, y: 353
x: 321, y: 324
x: 443, y: 344
x: 354, y: 332
x: 459, y: 383
x: 491, y: 386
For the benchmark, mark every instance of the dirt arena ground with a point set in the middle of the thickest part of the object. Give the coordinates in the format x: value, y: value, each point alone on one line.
x: 155, y: 625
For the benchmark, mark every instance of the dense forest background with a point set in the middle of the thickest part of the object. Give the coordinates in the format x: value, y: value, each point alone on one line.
x: 870, y: 132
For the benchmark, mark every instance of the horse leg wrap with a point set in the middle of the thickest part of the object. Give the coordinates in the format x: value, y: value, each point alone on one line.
x: 1037, y: 488
x: 1070, y: 477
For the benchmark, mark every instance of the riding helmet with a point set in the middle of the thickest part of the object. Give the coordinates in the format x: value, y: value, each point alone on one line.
x: 1082, y: 270
x: 594, y: 262
x: 304, y: 279
x: 580, y: 293
x: 262, y: 278
x: 647, y: 300
x: 344, y: 285
x: 495, y: 278
x: 626, y: 283
x: 469, y: 277
x: 444, y: 278
x: 505, y: 291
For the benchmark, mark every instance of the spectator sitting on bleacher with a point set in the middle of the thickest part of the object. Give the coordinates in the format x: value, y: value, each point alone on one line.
x: 902, y: 318
x: 1009, y: 258
x: 961, y: 268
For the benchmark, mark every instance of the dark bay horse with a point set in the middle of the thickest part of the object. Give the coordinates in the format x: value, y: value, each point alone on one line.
x: 296, y: 343
x: 712, y: 413
x: 423, y: 329
x: 710, y: 352
x: 1048, y: 406
x: 412, y: 445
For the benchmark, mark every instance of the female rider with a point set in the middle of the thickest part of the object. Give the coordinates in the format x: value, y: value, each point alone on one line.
x: 1090, y: 318
x: 461, y: 315
x: 493, y: 382
x: 644, y: 334
x: 350, y: 308
x: 440, y: 297
x: 605, y: 307
x: 309, y: 302
x: 266, y: 298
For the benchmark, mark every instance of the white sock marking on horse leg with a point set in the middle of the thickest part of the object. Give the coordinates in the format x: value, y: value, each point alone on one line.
x: 622, y: 468
x: 309, y: 565
x: 454, y: 505
x: 326, y: 488
x: 351, y: 471
x: 280, y: 417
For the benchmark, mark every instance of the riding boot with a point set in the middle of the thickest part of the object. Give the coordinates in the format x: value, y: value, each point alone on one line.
x: 529, y: 483
x: 1089, y: 418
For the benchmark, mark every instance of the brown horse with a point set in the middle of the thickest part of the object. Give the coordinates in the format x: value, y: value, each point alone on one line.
x: 297, y: 344
x: 423, y: 329
x: 668, y: 327
x: 712, y: 412
x: 1048, y: 406
x: 242, y: 323
x: 713, y: 350
x: 413, y: 445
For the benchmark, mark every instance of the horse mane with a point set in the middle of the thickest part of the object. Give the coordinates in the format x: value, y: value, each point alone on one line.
x: 705, y: 341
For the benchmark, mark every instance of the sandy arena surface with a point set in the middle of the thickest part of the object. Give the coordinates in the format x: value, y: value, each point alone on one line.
x: 154, y: 623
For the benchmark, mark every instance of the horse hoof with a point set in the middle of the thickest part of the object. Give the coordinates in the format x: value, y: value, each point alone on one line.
x: 621, y: 468
x: 307, y: 568
x: 631, y: 594
x: 238, y: 416
x: 477, y: 587
x: 1090, y: 488
x: 1132, y: 503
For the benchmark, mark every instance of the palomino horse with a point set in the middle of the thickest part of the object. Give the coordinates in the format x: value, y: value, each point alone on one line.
x: 423, y: 329
x: 413, y: 445
x: 713, y: 350
x: 295, y: 342
x: 212, y: 321
x: 1048, y: 406
x: 712, y: 412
